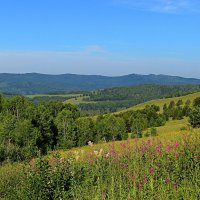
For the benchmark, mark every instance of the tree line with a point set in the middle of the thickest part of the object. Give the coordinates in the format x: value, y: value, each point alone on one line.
x: 118, y: 98
x: 28, y: 130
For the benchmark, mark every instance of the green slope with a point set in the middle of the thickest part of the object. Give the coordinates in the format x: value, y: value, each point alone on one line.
x: 161, y: 102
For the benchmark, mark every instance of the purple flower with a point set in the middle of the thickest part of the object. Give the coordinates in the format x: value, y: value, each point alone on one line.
x: 167, y: 181
x: 151, y: 170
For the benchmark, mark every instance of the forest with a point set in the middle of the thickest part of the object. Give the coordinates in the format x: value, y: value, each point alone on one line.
x: 28, y: 130
x: 119, y: 98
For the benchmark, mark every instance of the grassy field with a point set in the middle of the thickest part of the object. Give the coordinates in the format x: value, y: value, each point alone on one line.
x: 114, y: 164
x: 115, y: 170
x: 171, y: 131
x: 161, y: 102
x: 78, y: 100
x: 162, y: 167
x: 52, y: 95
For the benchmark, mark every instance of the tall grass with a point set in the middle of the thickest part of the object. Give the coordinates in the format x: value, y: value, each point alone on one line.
x: 151, y: 169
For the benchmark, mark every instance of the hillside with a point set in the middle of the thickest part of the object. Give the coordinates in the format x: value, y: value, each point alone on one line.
x: 33, y: 83
x: 161, y: 102
x: 119, y: 98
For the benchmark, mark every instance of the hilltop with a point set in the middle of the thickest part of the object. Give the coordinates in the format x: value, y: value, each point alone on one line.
x: 34, y: 83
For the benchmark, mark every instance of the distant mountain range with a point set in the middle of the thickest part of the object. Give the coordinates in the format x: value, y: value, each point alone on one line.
x: 32, y: 83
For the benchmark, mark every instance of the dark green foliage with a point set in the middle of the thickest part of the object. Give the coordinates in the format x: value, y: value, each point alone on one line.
x: 194, y: 117
x: 27, y: 130
x: 85, y: 131
x: 117, y: 98
x: 176, y: 111
x: 153, y: 131
x: 139, y: 123
x: 196, y: 102
x: 111, y: 128
x: 39, y: 99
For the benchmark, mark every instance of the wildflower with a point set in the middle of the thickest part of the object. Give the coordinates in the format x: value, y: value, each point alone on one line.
x: 95, y: 153
x: 151, y: 170
x: 145, y: 179
x: 169, y: 148
x: 140, y: 186
x: 103, y: 195
x: 158, y: 149
x: 100, y: 152
x: 175, y: 186
x: 123, y: 145
x: 176, y: 145
x: 107, y: 155
x: 125, y: 166
x: 90, y: 143
x: 195, y: 157
x: 167, y: 181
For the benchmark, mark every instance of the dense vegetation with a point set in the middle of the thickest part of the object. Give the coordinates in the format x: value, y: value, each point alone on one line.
x: 113, y: 99
x: 145, y: 170
x: 151, y: 169
x: 28, y: 130
x: 33, y: 83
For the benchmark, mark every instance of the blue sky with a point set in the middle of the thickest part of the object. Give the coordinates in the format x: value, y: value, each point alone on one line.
x: 108, y: 37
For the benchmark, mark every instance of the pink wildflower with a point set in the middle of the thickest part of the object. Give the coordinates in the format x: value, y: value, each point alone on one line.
x: 151, y: 170
x: 176, y: 145
x: 167, y: 181
x: 195, y: 157
x: 175, y: 186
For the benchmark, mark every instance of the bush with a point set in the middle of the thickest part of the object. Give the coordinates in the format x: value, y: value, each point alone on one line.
x: 153, y: 131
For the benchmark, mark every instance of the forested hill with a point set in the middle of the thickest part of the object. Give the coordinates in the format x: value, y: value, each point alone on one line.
x: 33, y: 83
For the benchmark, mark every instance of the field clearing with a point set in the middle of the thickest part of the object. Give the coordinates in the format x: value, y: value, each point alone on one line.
x: 78, y: 100
x: 53, y: 95
x: 161, y: 102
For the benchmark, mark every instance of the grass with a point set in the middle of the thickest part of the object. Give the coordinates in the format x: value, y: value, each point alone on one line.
x: 78, y: 100
x: 171, y: 131
x: 134, y: 169
x: 113, y: 170
x: 161, y: 102
x: 52, y: 95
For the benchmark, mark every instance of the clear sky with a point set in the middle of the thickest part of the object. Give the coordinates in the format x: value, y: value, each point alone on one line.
x: 108, y: 37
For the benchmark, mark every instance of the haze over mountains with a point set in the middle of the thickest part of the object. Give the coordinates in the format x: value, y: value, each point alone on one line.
x: 32, y: 83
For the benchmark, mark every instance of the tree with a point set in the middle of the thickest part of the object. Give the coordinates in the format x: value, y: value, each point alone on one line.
x: 17, y: 105
x: 171, y: 105
x: 84, y: 131
x: 179, y: 103
x: 196, y: 102
x: 111, y: 127
x: 138, y: 125
x: 65, y: 124
x: 194, y: 117
x: 188, y: 102
x: 43, y: 122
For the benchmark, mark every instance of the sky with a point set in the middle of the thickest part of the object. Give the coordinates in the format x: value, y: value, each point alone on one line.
x: 106, y: 37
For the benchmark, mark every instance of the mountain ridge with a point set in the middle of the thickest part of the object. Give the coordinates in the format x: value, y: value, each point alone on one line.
x: 32, y: 83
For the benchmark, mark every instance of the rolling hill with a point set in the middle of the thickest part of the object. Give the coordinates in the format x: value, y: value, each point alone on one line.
x: 33, y: 83
x: 161, y: 102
